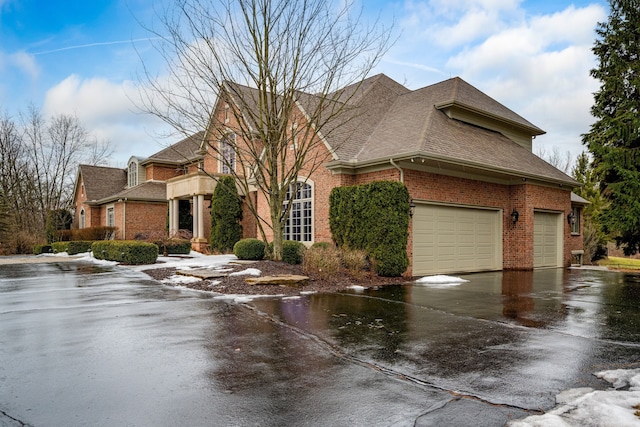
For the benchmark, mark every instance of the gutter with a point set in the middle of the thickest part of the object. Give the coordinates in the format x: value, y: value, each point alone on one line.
x: 398, y: 167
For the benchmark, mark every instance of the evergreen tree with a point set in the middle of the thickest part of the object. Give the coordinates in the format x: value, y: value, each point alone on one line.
x: 614, y: 139
x: 226, y: 214
x: 594, y: 239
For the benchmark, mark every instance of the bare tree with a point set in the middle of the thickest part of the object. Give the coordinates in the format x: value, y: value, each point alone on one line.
x: 555, y: 159
x: 288, y: 70
x: 98, y: 152
x: 38, y: 161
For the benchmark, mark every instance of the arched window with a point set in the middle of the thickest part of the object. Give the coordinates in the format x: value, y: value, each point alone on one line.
x: 299, y: 224
x: 228, y: 153
x: 82, y: 219
x: 133, y: 174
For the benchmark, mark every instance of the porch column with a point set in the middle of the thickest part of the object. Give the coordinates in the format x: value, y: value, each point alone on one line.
x: 195, y: 211
x: 174, y: 212
x: 201, y: 216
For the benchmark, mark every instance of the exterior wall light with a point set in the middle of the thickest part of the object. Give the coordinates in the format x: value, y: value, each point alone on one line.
x: 412, y: 207
x: 571, y: 218
x: 514, y: 216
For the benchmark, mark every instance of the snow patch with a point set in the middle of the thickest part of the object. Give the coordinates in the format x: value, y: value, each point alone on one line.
x: 622, y: 378
x: 357, y: 288
x: 441, y: 281
x: 239, y: 298
x: 247, y: 272
x: 180, y: 279
x: 588, y: 407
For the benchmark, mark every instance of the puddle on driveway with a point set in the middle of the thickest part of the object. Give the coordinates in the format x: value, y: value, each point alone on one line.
x: 94, y: 344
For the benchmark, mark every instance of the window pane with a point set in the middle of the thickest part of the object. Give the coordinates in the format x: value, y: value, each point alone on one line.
x: 299, y: 223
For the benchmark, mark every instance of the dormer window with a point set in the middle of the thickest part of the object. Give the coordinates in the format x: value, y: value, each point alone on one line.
x: 133, y: 174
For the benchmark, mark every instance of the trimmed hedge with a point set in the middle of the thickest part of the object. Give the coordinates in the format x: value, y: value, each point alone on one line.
x: 59, y: 247
x: 249, y: 249
x: 374, y: 218
x: 72, y: 248
x: 175, y: 246
x: 125, y: 251
x: 79, y: 246
x: 293, y: 252
x: 42, y: 249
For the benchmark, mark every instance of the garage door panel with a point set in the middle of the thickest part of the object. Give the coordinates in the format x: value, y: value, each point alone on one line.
x: 461, y: 239
x: 546, y: 239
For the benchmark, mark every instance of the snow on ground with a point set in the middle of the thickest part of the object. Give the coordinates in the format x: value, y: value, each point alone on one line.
x: 588, y: 407
x: 247, y: 272
x: 440, y: 281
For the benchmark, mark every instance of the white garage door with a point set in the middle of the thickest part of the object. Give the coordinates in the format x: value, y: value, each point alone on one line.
x: 448, y: 239
x: 546, y: 239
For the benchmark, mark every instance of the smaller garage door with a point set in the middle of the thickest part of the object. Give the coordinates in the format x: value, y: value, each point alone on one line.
x: 547, y: 239
x: 451, y: 239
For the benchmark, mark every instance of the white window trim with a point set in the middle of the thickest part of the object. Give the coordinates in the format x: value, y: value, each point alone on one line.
x: 224, y: 167
x: 578, y: 213
x: 112, y: 208
x: 132, y: 178
x: 83, y: 218
x: 303, y: 180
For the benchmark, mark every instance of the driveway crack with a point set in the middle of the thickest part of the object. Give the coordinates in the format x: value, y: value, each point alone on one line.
x: 20, y: 423
x: 339, y: 353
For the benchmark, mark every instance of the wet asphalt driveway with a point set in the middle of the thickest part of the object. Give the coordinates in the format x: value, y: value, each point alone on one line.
x: 84, y: 345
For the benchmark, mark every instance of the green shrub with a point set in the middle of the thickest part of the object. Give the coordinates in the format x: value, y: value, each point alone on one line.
x: 249, y: 249
x: 175, y: 246
x: 226, y: 215
x: 373, y: 218
x: 78, y: 246
x: 42, y: 249
x: 59, y: 247
x: 293, y: 252
x: 389, y: 261
x: 322, y: 261
x: 125, y: 251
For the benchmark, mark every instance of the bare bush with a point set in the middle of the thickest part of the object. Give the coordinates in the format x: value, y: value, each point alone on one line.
x: 323, y: 262
x: 355, y: 261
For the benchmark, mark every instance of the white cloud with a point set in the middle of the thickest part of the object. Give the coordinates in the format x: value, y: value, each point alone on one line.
x: 539, y: 67
x: 106, y: 109
x: 25, y: 62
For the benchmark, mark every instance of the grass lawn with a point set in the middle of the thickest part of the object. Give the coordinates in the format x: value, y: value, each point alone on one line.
x: 617, y: 262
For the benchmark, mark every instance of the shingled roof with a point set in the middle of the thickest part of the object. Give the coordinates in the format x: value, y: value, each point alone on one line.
x: 148, y: 191
x: 100, y: 181
x: 178, y: 153
x: 384, y: 120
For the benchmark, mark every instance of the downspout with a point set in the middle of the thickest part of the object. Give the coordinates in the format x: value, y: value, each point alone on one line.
x: 398, y: 167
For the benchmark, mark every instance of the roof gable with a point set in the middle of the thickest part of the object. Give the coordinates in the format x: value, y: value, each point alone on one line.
x: 461, y: 95
x: 100, y: 181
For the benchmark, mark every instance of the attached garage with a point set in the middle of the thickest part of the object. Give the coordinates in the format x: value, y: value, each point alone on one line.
x: 547, y: 239
x: 455, y: 239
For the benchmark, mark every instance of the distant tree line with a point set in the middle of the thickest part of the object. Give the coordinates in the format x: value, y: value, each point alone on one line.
x: 38, y: 163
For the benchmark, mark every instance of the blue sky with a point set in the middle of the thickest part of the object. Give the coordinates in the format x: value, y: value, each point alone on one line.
x: 83, y: 57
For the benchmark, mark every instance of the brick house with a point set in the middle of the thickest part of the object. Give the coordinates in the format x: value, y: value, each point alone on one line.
x: 134, y: 200
x: 481, y: 199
